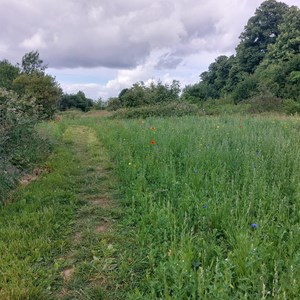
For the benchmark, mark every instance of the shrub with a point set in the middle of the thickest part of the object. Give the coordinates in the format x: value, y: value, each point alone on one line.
x: 161, y: 110
x: 20, y: 146
x: 291, y: 107
x: 265, y: 101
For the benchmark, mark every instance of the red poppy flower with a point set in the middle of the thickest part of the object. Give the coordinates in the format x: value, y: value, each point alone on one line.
x: 152, y: 142
x: 152, y: 128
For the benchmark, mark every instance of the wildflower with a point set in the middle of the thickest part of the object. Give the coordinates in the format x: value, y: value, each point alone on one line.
x: 152, y: 142
x: 196, y: 171
x: 152, y: 128
x: 129, y: 163
x: 254, y: 225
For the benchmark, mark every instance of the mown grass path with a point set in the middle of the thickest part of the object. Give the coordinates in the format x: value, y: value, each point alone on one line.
x: 58, y: 240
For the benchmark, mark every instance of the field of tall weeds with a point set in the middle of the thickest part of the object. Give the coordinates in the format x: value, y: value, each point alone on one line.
x: 214, y: 202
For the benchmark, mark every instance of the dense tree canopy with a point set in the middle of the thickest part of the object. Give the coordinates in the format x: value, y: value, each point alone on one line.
x: 261, y: 31
x: 43, y: 88
x: 78, y: 101
x: 267, y: 57
x: 8, y: 73
x: 140, y: 94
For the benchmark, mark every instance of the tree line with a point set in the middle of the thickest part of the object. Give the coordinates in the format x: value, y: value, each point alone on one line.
x: 266, y: 62
x: 267, y: 58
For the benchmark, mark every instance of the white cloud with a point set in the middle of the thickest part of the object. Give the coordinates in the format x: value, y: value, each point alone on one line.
x: 34, y: 42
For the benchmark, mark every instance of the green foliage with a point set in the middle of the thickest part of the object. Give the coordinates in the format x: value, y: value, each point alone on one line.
x: 100, y: 104
x: 268, y: 55
x: 31, y: 63
x: 79, y: 101
x: 265, y: 101
x: 158, y: 110
x: 140, y: 94
x: 217, y: 75
x: 282, y: 78
x: 33, y: 231
x: 246, y: 89
x: 280, y: 71
x: 114, y: 103
x: 199, y: 92
x: 213, y: 81
x: 224, y: 106
x: 20, y: 145
x: 287, y: 45
x: 43, y: 88
x: 211, y: 201
x: 8, y: 73
x: 209, y: 211
x: 261, y: 31
x: 291, y: 107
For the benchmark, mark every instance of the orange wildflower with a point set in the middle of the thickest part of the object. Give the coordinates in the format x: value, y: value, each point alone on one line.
x: 152, y: 142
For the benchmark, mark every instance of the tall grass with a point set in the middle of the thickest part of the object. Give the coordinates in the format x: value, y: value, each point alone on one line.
x: 215, y: 205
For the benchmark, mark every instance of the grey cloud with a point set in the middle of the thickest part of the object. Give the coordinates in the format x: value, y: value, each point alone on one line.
x: 168, y: 61
x: 119, y: 34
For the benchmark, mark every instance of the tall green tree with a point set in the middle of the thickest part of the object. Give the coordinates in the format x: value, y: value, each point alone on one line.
x: 34, y: 83
x: 261, y: 31
x: 31, y: 63
x: 287, y: 44
x: 280, y: 70
x: 43, y: 88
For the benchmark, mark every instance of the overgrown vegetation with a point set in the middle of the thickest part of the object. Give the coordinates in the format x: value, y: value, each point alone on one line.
x: 27, y: 96
x: 267, y: 57
x: 214, y: 203
x: 140, y: 95
x: 210, y: 204
x: 75, y: 101
x: 210, y: 210
x: 159, y: 110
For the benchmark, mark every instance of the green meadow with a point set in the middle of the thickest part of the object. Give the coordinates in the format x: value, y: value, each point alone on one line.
x: 204, y: 208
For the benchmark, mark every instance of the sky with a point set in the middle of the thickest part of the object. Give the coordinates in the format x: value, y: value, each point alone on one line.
x: 103, y: 46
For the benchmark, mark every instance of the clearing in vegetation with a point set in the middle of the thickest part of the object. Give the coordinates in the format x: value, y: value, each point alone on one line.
x: 174, y: 208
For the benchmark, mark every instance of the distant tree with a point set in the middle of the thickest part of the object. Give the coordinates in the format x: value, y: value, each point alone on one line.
x: 43, y: 88
x: 31, y: 63
x: 261, y: 31
x: 8, y: 73
x: 140, y: 94
x: 215, y: 79
x: 198, y: 92
x: 100, y: 104
x: 113, y: 103
x: 79, y: 101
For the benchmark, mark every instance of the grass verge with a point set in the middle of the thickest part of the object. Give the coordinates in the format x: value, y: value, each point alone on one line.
x: 59, y: 238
